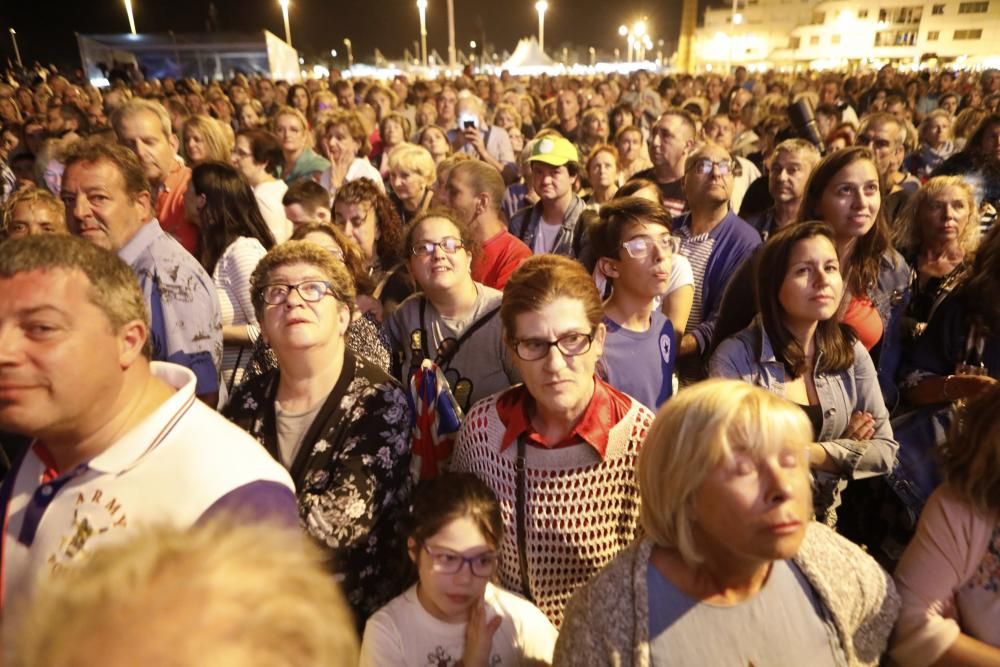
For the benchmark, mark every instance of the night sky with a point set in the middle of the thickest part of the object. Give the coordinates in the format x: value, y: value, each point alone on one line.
x: 46, y: 29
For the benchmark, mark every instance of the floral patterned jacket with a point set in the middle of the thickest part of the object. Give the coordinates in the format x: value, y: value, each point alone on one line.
x: 351, y: 474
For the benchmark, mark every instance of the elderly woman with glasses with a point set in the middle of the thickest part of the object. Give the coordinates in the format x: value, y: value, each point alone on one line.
x: 452, y: 320
x: 559, y: 451
x: 339, y: 424
x: 730, y: 570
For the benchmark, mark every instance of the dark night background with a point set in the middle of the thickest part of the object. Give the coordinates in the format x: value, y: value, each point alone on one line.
x: 45, y: 30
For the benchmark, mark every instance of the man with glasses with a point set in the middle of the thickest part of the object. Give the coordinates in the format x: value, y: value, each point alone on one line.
x: 885, y: 135
x: 716, y: 242
x: 107, y: 199
x: 635, y: 249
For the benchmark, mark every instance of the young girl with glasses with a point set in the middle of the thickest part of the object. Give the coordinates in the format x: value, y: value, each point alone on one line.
x: 453, y: 614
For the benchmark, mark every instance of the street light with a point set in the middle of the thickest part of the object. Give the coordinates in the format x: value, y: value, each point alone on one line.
x: 17, y: 51
x: 451, y: 35
x: 131, y: 19
x: 422, y: 7
x: 284, y: 13
x: 350, y: 53
x: 541, y: 7
x: 623, y: 31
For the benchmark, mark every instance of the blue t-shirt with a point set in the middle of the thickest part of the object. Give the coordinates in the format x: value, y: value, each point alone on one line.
x: 629, y: 362
x: 783, y: 624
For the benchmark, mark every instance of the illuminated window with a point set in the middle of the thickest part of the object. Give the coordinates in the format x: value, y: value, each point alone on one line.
x: 814, y: 40
x: 968, y: 34
x: 862, y: 13
x: 932, y: 36
x: 937, y: 10
x: 973, y: 7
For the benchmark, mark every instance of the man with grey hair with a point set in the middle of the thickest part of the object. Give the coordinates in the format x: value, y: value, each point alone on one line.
x: 489, y: 143
x: 144, y: 127
x: 118, y: 441
x: 788, y: 172
x: 885, y: 135
x: 106, y: 195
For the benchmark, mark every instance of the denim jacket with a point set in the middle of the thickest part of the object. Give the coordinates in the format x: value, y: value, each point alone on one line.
x: 890, y: 296
x: 748, y: 356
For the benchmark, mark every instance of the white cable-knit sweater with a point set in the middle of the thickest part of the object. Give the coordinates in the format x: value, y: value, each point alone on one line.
x: 581, y: 510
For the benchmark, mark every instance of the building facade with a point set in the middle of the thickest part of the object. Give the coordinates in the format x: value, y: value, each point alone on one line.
x: 834, y: 34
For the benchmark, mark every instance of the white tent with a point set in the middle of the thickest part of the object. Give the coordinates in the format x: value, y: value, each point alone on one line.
x: 528, y: 58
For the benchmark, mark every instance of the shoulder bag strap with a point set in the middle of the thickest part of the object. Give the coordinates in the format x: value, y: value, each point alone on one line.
x: 522, y: 522
x: 445, y: 355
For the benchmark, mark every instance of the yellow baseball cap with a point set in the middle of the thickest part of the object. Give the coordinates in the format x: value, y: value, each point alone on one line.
x: 556, y: 151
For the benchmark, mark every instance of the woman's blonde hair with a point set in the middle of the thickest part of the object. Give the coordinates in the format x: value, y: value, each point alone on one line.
x: 216, y: 141
x: 907, y: 235
x: 414, y: 158
x: 693, y: 433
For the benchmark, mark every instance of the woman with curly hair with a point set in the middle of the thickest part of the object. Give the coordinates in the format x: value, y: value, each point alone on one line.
x: 340, y: 425
x: 369, y: 219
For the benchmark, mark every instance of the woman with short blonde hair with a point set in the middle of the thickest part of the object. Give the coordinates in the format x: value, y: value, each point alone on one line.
x: 731, y: 569
x: 411, y: 174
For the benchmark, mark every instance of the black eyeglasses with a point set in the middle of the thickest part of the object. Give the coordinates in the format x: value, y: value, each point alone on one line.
x: 449, y: 562
x: 449, y: 244
x: 572, y: 344
x: 310, y: 290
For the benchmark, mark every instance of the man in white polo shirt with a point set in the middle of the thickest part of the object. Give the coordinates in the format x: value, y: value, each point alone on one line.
x: 119, y: 441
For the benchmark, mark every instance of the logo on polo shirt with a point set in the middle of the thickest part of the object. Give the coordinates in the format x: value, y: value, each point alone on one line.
x: 94, y: 514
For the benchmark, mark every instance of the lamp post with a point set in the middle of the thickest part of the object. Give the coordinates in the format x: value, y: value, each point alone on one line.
x: 17, y: 51
x: 735, y: 19
x: 639, y: 33
x: 131, y: 18
x: 623, y: 31
x: 284, y: 13
x: 422, y: 7
x: 451, y: 34
x: 350, y: 53
x: 541, y: 7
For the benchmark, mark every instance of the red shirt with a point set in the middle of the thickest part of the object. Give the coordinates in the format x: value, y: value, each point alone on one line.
x: 170, y: 209
x: 607, y: 407
x: 500, y: 256
x: 864, y: 319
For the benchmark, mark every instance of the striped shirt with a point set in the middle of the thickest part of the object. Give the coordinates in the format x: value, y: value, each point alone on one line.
x: 698, y: 250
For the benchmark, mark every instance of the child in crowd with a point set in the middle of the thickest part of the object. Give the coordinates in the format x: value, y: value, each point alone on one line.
x: 634, y: 247
x: 453, y: 614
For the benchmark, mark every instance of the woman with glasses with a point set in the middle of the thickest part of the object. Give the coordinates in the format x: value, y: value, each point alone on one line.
x: 559, y: 451
x: 452, y: 320
x: 339, y: 424
x: 797, y: 349
x: 453, y: 614
x: 233, y: 237
x: 257, y: 156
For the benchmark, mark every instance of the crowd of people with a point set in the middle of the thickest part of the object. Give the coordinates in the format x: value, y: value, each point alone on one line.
x: 634, y: 370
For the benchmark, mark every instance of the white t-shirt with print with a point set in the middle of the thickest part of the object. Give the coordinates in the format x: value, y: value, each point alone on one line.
x: 403, y: 633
